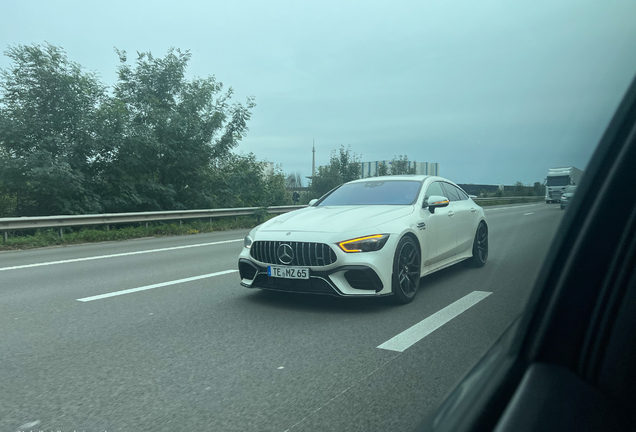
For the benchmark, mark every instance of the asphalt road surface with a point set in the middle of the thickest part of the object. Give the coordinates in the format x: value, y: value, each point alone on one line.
x: 158, y: 335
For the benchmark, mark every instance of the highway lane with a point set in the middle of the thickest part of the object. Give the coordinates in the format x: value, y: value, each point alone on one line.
x: 208, y: 354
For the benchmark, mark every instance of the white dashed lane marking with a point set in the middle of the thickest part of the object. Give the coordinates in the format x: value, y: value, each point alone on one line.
x: 159, y: 285
x: 428, y: 325
x: 117, y: 255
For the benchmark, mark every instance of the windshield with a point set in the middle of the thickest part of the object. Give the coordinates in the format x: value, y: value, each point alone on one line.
x: 558, y: 181
x: 395, y: 192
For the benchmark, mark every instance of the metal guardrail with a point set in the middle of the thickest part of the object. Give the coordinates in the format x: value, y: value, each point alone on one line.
x: 531, y: 198
x: 63, y: 221
x: 33, y: 222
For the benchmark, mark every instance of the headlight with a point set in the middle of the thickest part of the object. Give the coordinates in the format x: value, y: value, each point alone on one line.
x: 364, y: 244
x: 247, y: 241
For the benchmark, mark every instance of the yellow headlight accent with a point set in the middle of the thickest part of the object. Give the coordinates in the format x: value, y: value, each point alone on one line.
x: 343, y: 245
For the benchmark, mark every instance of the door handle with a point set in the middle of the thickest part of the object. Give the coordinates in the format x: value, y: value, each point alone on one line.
x: 451, y: 213
x: 473, y: 210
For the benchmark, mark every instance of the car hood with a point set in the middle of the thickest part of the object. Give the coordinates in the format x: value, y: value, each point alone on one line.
x: 336, y: 219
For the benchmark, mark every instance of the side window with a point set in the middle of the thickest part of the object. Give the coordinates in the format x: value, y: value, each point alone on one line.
x: 463, y: 195
x: 434, y: 188
x: 451, y: 192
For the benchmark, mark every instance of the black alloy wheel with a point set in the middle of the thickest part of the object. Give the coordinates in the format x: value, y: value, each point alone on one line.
x: 480, y: 246
x: 406, y: 270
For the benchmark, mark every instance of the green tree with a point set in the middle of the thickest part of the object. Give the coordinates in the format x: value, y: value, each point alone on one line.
x: 383, y: 170
x: 344, y: 166
x: 236, y: 181
x: 294, y: 180
x: 7, y: 203
x: 274, y: 190
x: 174, y: 129
x: 400, y: 165
x: 519, y: 189
x: 240, y: 181
x: 538, y: 189
x: 347, y: 163
x: 161, y: 141
x: 47, y: 140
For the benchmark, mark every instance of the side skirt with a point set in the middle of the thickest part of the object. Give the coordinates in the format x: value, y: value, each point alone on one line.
x: 446, y: 263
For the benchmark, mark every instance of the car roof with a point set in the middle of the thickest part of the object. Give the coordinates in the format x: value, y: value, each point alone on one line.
x: 419, y: 178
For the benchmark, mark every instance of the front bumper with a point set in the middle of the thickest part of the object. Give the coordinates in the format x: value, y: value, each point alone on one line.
x: 339, y: 281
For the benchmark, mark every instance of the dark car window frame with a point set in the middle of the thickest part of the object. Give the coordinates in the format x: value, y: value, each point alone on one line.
x: 452, y: 195
x: 322, y: 198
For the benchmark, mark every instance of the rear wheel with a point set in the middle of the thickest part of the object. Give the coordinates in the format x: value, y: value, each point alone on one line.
x: 406, y: 270
x: 480, y: 246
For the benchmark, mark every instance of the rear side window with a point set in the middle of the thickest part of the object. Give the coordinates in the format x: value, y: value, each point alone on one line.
x: 452, y: 193
x: 463, y: 195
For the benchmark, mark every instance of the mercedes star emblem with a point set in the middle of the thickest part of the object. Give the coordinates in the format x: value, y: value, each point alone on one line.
x: 285, y: 253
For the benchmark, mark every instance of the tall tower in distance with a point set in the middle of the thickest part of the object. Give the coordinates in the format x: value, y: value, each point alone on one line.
x: 313, y: 158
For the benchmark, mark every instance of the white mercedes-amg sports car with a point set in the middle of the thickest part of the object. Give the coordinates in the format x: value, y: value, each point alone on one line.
x: 370, y: 237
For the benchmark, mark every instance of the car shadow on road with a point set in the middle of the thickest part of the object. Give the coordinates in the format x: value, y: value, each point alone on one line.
x: 360, y: 305
x: 317, y: 303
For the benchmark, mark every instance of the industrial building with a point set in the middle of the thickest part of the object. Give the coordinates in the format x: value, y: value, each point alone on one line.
x: 369, y: 169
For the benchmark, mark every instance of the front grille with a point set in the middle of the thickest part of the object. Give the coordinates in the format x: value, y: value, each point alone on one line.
x: 303, y: 253
x: 556, y: 194
x: 307, y: 286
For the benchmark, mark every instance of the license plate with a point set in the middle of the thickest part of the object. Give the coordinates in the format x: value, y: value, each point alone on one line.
x: 288, y: 272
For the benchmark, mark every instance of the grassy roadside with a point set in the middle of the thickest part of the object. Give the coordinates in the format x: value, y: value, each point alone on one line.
x: 50, y: 237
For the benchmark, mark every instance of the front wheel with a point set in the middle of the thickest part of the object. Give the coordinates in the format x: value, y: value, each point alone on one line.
x: 480, y: 246
x: 406, y: 270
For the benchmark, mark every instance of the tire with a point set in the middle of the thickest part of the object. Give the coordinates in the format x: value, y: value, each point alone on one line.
x: 406, y: 271
x: 480, y: 247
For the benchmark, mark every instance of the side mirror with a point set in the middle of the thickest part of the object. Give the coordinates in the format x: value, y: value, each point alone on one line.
x: 313, y: 201
x: 436, y: 201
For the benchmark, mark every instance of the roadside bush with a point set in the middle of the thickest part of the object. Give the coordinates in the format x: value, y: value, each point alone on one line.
x: 50, y: 237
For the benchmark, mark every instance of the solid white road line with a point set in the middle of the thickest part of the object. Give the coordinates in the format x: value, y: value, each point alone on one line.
x: 117, y: 255
x: 528, y: 214
x: 428, y: 325
x: 159, y: 285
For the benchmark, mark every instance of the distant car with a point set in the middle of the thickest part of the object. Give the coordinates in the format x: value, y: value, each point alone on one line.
x: 567, y: 196
x: 369, y: 237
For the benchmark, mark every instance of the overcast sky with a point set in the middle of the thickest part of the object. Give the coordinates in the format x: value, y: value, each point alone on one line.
x: 494, y: 91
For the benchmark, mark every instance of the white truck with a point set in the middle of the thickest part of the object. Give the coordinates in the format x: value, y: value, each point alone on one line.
x: 558, y: 179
